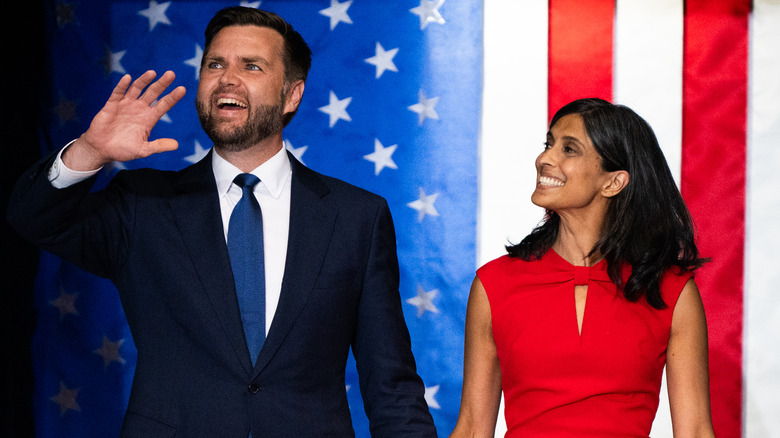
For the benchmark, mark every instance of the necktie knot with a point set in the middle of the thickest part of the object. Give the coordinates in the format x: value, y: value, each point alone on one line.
x: 246, y: 180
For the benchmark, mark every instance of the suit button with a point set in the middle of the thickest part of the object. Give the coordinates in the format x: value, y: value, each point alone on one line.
x: 254, y: 388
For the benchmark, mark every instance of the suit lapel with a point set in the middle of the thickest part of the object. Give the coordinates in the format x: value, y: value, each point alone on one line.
x: 197, y: 214
x: 311, y: 227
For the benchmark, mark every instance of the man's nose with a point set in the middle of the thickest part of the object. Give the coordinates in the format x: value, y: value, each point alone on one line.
x: 228, y: 76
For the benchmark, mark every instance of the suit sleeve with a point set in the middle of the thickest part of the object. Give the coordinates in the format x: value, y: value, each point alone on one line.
x: 393, y: 393
x: 83, y: 228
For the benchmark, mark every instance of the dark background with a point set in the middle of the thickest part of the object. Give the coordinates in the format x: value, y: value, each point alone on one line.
x: 24, y: 71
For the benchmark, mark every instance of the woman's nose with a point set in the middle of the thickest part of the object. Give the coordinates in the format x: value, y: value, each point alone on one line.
x: 545, y: 158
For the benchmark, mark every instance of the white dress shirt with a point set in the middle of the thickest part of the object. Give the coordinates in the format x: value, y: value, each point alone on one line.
x: 272, y: 193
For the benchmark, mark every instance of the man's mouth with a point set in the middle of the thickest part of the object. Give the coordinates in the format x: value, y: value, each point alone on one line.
x: 230, y: 103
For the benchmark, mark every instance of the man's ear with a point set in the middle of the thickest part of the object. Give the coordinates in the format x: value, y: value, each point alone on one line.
x: 617, y: 181
x: 293, y: 96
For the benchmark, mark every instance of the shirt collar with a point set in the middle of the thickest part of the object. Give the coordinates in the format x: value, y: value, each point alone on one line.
x: 273, y: 173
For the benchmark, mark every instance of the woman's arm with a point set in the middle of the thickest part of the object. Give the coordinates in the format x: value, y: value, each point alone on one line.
x: 481, y: 394
x: 687, y: 371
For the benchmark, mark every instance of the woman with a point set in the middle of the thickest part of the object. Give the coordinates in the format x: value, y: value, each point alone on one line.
x: 576, y: 323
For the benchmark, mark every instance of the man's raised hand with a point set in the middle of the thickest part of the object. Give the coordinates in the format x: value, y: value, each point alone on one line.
x: 120, y: 131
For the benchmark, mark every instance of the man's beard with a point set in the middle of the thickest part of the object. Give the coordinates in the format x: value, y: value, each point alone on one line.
x: 261, y: 123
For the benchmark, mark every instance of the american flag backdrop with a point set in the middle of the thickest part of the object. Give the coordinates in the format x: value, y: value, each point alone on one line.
x: 441, y: 107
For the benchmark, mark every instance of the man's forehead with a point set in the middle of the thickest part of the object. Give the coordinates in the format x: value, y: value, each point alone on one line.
x: 250, y: 31
x: 249, y: 41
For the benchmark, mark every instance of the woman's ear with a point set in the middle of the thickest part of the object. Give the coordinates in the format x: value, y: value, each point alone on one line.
x: 616, y: 182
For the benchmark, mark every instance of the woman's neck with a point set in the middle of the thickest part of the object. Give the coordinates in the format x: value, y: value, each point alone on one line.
x: 577, y: 239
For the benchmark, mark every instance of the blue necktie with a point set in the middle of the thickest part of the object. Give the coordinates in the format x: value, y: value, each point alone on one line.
x: 245, y: 246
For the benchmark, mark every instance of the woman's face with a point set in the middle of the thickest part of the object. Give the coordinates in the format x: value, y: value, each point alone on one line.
x: 569, y: 175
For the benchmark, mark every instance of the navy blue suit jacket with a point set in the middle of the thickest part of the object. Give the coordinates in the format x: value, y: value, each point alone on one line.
x: 158, y: 236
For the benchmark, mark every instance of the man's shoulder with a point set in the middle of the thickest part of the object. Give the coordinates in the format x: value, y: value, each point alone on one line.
x: 145, y: 177
x: 164, y: 179
x: 325, y: 184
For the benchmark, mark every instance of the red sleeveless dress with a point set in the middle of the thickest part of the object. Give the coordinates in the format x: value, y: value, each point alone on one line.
x: 559, y: 383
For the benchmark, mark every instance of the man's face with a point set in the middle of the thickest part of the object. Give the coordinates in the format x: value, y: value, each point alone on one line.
x: 241, y: 97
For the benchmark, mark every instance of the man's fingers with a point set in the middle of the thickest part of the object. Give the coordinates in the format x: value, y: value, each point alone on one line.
x: 120, y: 89
x: 156, y: 89
x: 162, y: 145
x: 169, y: 100
x: 140, y: 89
x: 139, y: 84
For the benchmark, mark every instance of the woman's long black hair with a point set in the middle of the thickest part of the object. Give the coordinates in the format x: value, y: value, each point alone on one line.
x: 647, y: 225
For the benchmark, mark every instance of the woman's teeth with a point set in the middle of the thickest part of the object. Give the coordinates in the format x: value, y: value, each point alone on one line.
x: 547, y: 181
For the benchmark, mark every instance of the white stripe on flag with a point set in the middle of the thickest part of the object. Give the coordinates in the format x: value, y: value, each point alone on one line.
x: 762, y: 303
x: 648, y: 68
x: 648, y: 79
x: 514, y: 124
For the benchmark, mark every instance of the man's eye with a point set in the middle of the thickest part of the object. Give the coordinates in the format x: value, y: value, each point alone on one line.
x: 214, y: 65
x: 253, y: 67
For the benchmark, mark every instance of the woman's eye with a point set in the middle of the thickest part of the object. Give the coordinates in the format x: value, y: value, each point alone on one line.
x: 547, y: 145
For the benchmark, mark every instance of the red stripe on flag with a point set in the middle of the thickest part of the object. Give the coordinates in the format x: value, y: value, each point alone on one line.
x: 580, y: 51
x: 714, y: 152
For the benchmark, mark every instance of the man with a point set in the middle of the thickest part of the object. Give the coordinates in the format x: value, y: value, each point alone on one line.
x: 226, y: 348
